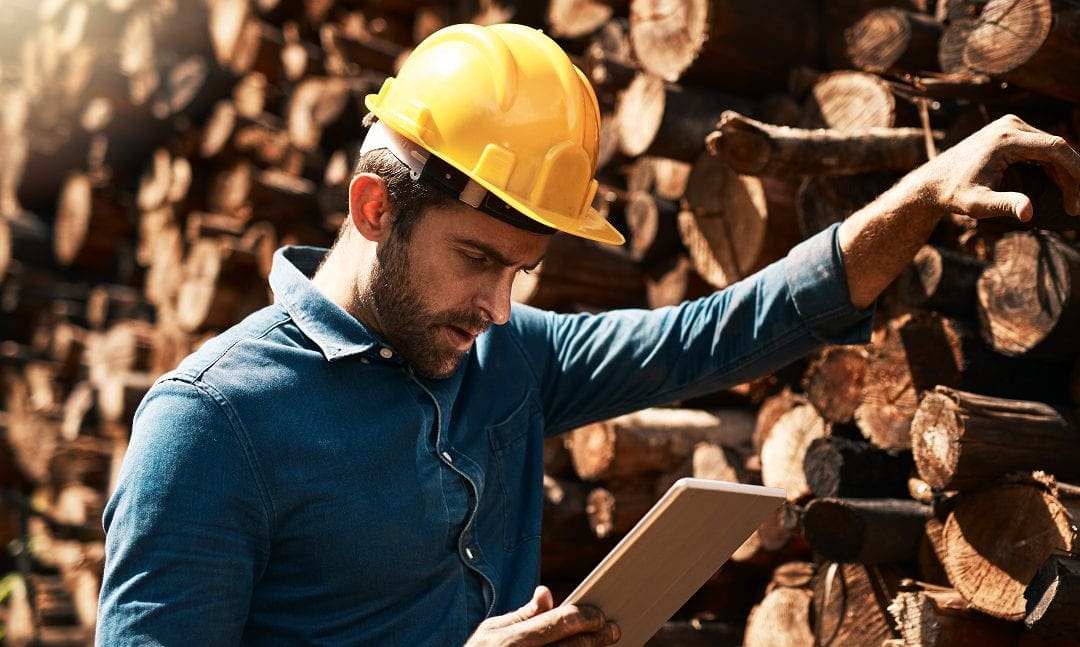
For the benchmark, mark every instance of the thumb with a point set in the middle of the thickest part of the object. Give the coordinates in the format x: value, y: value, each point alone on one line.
x: 983, y: 202
x: 541, y: 601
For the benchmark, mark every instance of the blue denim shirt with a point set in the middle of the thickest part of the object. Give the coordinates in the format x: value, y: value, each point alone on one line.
x: 293, y: 482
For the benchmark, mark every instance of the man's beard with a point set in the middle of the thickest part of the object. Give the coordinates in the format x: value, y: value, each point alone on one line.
x: 412, y: 328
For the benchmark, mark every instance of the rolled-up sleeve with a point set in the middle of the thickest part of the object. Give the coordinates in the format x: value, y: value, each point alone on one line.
x: 186, y: 528
x: 595, y: 366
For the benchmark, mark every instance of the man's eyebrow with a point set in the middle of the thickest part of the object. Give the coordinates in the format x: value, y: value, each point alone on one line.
x: 495, y: 254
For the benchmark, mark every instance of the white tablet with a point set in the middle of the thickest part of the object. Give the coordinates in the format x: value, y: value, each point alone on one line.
x: 675, y: 548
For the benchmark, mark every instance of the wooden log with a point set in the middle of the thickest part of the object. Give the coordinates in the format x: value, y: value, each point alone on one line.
x: 1046, y: 200
x: 719, y: 43
x: 671, y: 281
x: 653, y: 225
x: 577, y: 18
x: 119, y: 396
x: 608, y: 60
x: 839, y: 16
x: 1017, y: 319
x: 664, y: 120
x: 369, y: 53
x: 756, y: 148
x: 108, y: 304
x: 90, y: 224
x: 569, y: 548
x: 125, y: 347
x: 190, y: 88
x: 851, y: 102
x: 652, y: 441
x: 865, y: 531
x: 980, y: 537
x: 784, y: 444
x: 1034, y: 44
x: 957, y: 439
x: 834, y: 379
x: 783, y: 617
x: 841, y: 467
x: 850, y: 602
x: 1053, y: 597
x: 580, y: 274
x: 929, y: 616
x: 666, y: 178
x: 734, y: 226
x: 78, y: 407
x: 612, y: 513
x: 216, y: 288
x: 893, y: 39
x: 325, y: 109
x: 31, y: 435
x: 942, y: 280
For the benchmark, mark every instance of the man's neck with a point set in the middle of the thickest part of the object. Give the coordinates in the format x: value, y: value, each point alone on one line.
x: 345, y: 272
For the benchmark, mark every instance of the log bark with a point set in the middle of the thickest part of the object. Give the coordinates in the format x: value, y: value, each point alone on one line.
x: 1053, y: 598
x: 652, y: 441
x: 980, y: 537
x: 1034, y: 44
x: 719, y: 43
x: 834, y: 380
x: 756, y: 148
x: 957, y: 439
x: 664, y: 120
x: 1017, y: 319
x: 893, y: 39
x: 865, y: 531
x: 821, y: 200
x: 732, y: 225
x: 841, y: 467
x: 928, y: 616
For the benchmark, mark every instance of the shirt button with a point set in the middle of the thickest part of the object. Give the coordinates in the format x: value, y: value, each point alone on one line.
x: 468, y: 552
x: 448, y: 457
x: 364, y: 360
x: 385, y: 353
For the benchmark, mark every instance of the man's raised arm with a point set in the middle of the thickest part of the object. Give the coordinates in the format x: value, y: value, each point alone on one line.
x: 879, y: 240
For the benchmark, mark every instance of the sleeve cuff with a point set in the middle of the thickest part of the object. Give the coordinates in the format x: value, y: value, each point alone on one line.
x: 818, y: 285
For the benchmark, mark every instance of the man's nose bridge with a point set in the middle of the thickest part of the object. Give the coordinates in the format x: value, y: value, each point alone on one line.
x: 494, y: 295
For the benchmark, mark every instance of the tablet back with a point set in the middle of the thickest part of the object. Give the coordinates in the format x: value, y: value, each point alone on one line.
x: 678, y: 545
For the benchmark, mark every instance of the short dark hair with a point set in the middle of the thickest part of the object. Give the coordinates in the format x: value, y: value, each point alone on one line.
x: 410, y: 199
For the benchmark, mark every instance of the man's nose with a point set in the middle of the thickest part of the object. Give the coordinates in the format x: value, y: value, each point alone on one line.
x: 493, y: 298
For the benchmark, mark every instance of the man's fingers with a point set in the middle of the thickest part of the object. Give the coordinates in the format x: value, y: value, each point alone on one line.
x: 560, y: 623
x: 982, y: 202
x: 609, y: 635
x: 1062, y: 163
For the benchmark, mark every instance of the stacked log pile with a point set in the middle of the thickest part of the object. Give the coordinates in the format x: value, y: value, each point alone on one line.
x: 155, y: 153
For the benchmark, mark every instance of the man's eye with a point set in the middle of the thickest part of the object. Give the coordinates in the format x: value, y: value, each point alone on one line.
x: 478, y: 260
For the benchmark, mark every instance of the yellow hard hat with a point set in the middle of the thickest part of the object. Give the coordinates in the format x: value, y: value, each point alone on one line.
x: 511, y: 125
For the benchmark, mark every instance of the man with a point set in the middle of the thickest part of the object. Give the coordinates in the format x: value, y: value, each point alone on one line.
x: 361, y: 462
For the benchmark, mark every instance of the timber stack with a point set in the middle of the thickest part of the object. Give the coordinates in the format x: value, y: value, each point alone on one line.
x: 156, y: 152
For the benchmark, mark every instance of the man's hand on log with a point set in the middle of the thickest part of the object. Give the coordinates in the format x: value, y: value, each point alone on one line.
x: 539, y: 622
x: 963, y: 178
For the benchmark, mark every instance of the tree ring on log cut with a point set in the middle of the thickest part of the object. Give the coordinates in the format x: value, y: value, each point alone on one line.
x: 878, y: 39
x: 1007, y: 35
x: 937, y: 449
x: 850, y: 102
x: 647, y: 95
x: 996, y: 540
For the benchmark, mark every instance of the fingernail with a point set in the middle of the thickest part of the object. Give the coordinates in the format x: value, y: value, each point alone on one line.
x: 614, y: 632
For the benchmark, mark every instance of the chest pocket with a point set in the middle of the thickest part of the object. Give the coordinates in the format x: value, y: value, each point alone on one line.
x: 518, y: 448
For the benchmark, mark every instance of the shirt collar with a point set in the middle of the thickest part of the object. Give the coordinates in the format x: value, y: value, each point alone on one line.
x: 336, y: 332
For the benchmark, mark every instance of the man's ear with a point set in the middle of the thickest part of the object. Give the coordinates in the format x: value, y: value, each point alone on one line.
x: 369, y: 206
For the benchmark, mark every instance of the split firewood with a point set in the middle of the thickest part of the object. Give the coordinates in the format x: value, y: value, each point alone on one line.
x: 757, y: 148
x: 652, y: 441
x: 929, y: 616
x: 957, y: 439
x: 982, y: 531
x: 865, y: 531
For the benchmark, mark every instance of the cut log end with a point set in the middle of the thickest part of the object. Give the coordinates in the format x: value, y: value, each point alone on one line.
x: 936, y: 446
